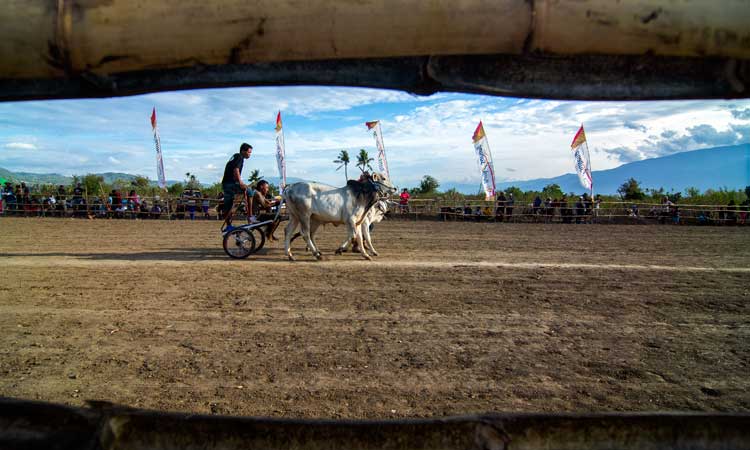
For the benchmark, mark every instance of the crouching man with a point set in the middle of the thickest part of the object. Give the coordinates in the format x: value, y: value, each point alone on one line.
x: 261, y: 207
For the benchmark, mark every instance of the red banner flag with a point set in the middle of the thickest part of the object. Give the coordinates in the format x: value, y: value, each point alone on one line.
x: 478, y: 133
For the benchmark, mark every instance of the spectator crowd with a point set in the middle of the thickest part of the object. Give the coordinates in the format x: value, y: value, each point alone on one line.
x: 191, y: 204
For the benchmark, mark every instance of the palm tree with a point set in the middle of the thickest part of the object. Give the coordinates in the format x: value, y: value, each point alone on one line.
x: 343, y: 161
x: 254, y: 177
x: 191, y: 181
x: 364, y: 160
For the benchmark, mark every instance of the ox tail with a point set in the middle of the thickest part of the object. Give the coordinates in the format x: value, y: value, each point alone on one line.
x: 278, y: 208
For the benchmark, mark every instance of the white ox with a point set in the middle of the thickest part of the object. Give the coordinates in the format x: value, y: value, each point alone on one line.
x: 375, y: 215
x: 312, y: 204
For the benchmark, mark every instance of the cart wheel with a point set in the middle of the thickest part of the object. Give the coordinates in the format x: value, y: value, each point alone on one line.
x: 239, y: 243
x: 260, y: 238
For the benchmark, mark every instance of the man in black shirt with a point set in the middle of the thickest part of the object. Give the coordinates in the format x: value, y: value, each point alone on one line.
x: 232, y: 183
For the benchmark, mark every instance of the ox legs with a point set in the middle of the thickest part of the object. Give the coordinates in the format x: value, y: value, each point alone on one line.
x: 367, y: 239
x: 290, y: 227
x: 304, y: 226
x: 356, y: 237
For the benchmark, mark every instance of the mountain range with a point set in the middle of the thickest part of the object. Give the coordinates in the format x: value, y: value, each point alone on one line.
x: 711, y: 168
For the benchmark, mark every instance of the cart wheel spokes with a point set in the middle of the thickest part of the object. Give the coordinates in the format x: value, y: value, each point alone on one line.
x: 239, y: 243
x: 260, y: 238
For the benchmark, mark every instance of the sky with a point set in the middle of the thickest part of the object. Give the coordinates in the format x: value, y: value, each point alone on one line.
x: 423, y: 135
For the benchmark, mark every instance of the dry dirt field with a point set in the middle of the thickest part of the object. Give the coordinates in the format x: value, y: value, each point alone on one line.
x: 451, y: 318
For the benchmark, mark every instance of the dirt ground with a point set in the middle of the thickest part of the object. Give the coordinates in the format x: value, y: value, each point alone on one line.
x: 451, y: 318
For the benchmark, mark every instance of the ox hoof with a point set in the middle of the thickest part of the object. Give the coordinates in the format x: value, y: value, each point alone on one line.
x: 374, y: 253
x: 367, y: 257
x: 319, y: 256
x: 291, y: 258
x: 339, y: 251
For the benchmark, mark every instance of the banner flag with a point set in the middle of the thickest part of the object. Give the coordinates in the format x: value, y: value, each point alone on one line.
x: 378, y: 134
x: 280, y: 157
x: 580, y: 150
x: 162, y: 180
x: 484, y: 159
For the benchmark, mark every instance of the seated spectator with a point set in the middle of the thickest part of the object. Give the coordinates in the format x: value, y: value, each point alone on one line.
x: 467, y: 211
x: 121, y: 210
x: 744, y: 212
x: 143, y: 210
x: 51, y: 205
x: 580, y: 210
x: 586, y: 206
x: 478, y: 213
x: 731, y: 214
x: 11, y: 201
x: 179, y: 210
x: 548, y: 209
x: 35, y: 207
x: 565, y: 212
x: 446, y: 213
x: 597, y: 205
x: 99, y: 208
x: 116, y: 200
x: 537, y: 205
x: 155, y: 211
x: 220, y: 204
x: 25, y: 194
x: 665, y: 212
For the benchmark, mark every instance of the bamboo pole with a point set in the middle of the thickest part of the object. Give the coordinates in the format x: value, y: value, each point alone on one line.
x: 55, y: 38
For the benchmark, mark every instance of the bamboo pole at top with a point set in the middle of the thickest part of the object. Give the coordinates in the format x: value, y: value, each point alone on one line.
x: 42, y: 39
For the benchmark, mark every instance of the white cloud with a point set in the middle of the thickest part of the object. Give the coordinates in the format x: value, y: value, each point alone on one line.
x: 21, y: 145
x: 200, y: 130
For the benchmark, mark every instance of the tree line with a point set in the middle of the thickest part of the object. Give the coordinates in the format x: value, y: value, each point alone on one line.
x: 428, y: 187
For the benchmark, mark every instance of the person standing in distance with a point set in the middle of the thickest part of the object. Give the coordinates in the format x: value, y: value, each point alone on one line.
x: 232, y: 183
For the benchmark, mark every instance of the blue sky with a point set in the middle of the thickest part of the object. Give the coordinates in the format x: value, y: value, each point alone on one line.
x: 201, y: 129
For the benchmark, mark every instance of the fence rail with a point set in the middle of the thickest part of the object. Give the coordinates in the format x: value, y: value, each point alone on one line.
x: 176, y: 208
x: 157, y: 207
x: 604, y: 212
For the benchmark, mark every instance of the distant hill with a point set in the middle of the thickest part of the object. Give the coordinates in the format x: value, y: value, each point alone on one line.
x: 55, y: 178
x: 710, y: 168
x: 35, y: 178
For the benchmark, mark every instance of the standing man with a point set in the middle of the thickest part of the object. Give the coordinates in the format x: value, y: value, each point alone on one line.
x: 509, y: 206
x: 232, y: 183
x: 403, y: 201
x: 77, y: 199
x: 500, y: 210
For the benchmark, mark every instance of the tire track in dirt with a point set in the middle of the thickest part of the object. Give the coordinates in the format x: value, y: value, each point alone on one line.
x: 89, y: 261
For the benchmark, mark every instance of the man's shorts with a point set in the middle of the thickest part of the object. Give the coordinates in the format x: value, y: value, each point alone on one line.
x: 230, y: 190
